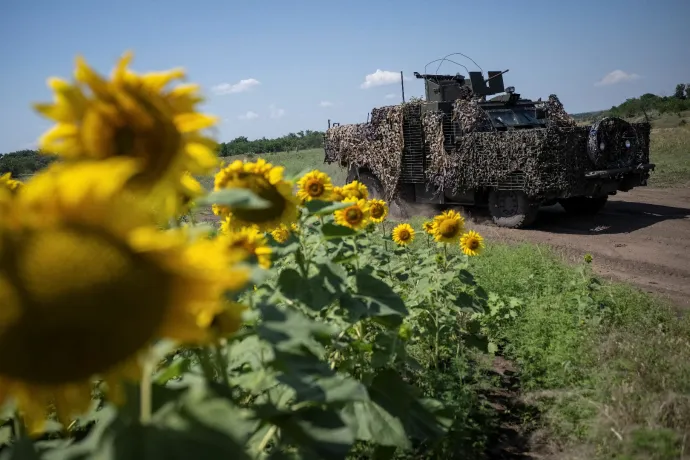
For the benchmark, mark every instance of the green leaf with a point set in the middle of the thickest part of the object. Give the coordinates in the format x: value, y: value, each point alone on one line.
x: 288, y: 329
x: 160, y: 395
x: 333, y: 231
x: 318, y: 431
x: 398, y: 398
x: 321, y: 208
x: 23, y: 449
x: 371, y: 423
x: 314, y: 381
x: 237, y: 198
x: 380, y: 300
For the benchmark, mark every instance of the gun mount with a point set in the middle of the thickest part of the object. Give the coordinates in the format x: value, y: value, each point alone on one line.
x: 448, y: 88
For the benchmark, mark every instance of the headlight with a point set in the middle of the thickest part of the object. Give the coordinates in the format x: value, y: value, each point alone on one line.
x: 601, y: 146
x: 627, y: 144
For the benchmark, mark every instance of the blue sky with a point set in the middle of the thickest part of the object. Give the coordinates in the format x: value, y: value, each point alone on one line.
x: 300, y: 63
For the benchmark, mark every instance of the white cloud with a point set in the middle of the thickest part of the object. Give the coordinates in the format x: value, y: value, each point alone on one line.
x: 381, y: 78
x: 326, y: 104
x: 275, y: 111
x: 239, y: 87
x: 249, y: 116
x: 615, y: 77
x: 391, y: 96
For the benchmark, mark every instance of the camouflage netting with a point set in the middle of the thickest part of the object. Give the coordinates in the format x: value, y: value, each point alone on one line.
x: 551, y: 159
x: 548, y: 159
x: 377, y: 145
x: 470, y: 116
x: 556, y: 114
x: 438, y: 161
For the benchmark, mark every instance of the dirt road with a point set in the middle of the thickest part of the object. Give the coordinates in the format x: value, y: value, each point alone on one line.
x: 642, y: 237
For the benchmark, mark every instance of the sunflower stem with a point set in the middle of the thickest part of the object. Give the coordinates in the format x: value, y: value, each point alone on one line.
x: 145, y: 391
x: 18, y: 426
x: 354, y: 242
x: 267, y: 437
x: 222, y: 364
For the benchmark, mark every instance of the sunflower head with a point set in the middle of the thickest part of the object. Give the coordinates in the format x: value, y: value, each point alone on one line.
x: 247, y: 243
x: 356, y: 189
x: 133, y: 116
x: 266, y: 181
x: 356, y: 215
x: 378, y: 210
x: 403, y: 234
x: 12, y: 185
x: 337, y: 194
x: 85, y: 259
x: 315, y: 185
x: 280, y: 233
x: 428, y: 227
x: 472, y: 243
x: 448, y: 226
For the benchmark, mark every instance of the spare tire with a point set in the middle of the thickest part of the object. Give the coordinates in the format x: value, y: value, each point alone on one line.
x: 612, y: 143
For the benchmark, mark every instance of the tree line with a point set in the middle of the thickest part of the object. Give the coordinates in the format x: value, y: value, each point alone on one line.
x: 646, y: 104
x: 27, y: 162
x: 301, y: 140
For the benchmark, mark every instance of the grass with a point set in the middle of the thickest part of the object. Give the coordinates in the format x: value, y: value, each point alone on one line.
x: 608, y: 366
x: 670, y: 151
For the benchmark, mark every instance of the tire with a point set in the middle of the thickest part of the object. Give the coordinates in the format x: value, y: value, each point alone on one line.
x: 373, y: 184
x: 610, y: 133
x: 398, y: 207
x: 584, y: 205
x: 512, y: 208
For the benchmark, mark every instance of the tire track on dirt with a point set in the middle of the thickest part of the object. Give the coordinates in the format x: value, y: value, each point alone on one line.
x: 641, y: 237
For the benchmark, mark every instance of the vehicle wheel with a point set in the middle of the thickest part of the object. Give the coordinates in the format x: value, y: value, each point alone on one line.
x: 398, y: 207
x: 584, y: 205
x: 512, y: 208
x: 372, y: 183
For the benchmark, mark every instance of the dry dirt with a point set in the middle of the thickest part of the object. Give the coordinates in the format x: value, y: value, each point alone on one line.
x: 641, y: 237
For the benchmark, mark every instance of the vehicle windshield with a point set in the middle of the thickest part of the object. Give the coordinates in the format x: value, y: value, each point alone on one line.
x: 506, y: 117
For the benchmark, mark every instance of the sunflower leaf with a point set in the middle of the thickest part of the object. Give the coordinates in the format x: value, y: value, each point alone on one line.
x: 333, y: 231
x: 237, y: 198
x: 321, y: 208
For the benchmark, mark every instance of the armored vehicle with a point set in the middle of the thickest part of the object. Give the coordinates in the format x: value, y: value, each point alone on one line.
x: 458, y: 148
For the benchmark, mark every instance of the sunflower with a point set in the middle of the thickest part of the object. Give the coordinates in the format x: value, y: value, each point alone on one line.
x: 80, y: 261
x: 337, y: 194
x: 247, y: 242
x: 448, y: 226
x: 13, y: 185
x: 315, y: 185
x: 355, y: 216
x: 356, y: 189
x: 266, y: 181
x: 472, y: 243
x: 429, y: 227
x: 281, y: 233
x: 378, y: 210
x: 403, y: 234
x: 134, y: 116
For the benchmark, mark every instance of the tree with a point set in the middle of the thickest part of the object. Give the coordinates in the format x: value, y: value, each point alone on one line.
x: 680, y: 91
